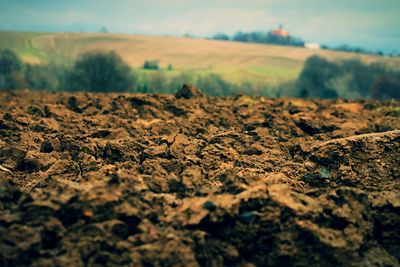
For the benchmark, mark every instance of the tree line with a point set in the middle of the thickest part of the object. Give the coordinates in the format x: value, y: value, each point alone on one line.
x: 261, y: 37
x: 107, y: 72
x: 321, y: 78
x: 268, y: 37
x: 104, y: 72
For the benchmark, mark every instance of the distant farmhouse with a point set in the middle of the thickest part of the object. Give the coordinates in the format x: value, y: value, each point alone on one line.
x: 280, y: 32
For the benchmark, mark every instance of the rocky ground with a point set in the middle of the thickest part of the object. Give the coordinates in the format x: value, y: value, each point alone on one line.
x: 191, y: 180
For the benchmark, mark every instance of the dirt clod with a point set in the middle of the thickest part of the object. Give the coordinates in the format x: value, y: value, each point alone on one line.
x: 188, y: 91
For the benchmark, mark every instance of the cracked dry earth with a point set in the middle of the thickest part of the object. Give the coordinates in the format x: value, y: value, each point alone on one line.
x: 191, y: 180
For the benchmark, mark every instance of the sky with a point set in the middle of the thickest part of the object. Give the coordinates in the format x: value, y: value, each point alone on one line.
x: 371, y: 24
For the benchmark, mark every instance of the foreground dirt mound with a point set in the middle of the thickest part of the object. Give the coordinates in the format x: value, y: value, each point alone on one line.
x: 190, y: 180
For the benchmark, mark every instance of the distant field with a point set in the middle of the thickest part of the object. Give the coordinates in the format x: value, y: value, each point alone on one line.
x: 236, y: 62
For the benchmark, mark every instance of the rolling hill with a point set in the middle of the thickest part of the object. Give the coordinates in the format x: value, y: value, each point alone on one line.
x: 236, y: 62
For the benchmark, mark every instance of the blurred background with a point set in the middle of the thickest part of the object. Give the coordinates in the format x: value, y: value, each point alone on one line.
x: 308, y: 48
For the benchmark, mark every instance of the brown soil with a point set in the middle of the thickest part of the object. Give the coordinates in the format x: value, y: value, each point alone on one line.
x: 190, y: 180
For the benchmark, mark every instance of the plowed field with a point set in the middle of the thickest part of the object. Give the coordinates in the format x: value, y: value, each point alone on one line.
x: 191, y: 180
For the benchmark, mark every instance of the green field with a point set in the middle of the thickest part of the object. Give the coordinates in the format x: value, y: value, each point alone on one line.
x: 235, y: 62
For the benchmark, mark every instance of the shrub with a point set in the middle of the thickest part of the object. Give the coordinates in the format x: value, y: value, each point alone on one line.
x: 184, y: 78
x: 221, y: 36
x: 151, y: 65
x: 156, y: 82
x: 9, y: 62
x: 45, y: 77
x: 386, y: 87
x: 214, y: 85
x: 100, y: 72
x: 313, y: 80
x: 11, y: 76
x: 347, y: 79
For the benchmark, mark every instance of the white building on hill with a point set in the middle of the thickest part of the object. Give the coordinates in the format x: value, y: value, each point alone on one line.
x: 312, y: 46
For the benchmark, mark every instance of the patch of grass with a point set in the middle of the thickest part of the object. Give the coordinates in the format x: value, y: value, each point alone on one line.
x: 21, y: 43
x: 278, y: 72
x: 31, y: 55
